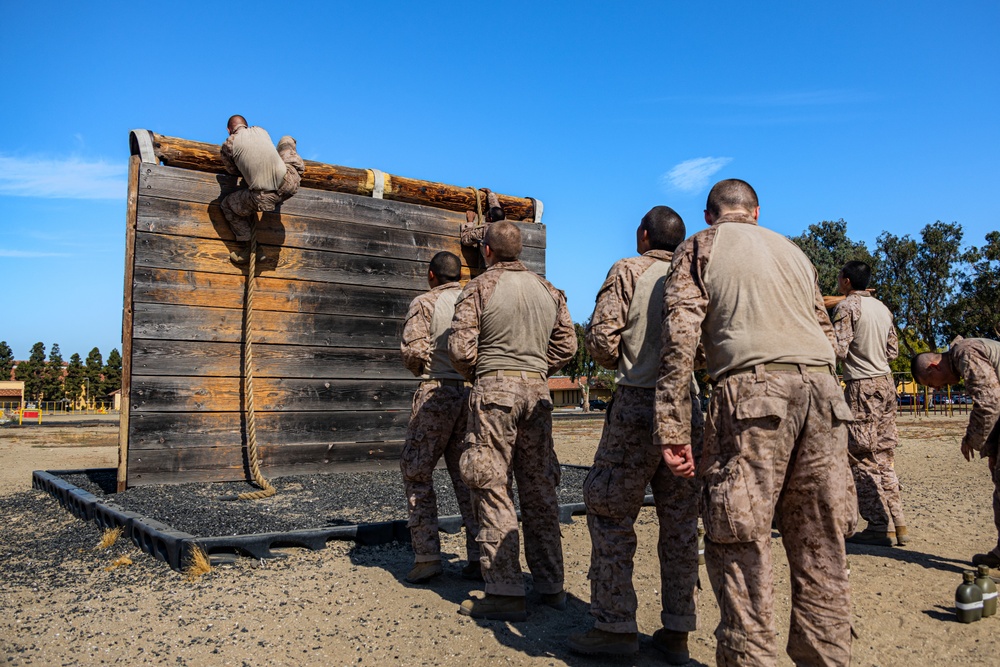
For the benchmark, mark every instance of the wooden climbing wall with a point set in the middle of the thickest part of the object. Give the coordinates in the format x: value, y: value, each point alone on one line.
x: 330, y: 390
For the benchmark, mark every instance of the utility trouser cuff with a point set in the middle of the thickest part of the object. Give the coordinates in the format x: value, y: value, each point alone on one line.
x: 505, y: 589
x: 547, y: 587
x: 679, y: 623
x: 426, y: 558
x: 619, y: 627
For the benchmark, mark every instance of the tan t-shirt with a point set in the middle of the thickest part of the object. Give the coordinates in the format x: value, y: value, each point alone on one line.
x: 516, y: 324
x: 762, y: 294
x: 257, y: 159
x: 867, y: 355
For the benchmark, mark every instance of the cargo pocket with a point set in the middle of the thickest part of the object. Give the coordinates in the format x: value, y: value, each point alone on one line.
x: 603, y: 486
x: 498, y: 400
x: 732, y: 645
x: 481, y: 468
x: 409, y: 460
x: 728, y: 509
x: 841, y: 411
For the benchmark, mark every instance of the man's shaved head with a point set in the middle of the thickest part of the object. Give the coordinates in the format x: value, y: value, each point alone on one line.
x: 446, y: 266
x: 933, y: 369
x: 504, y: 240
x: 664, y: 227
x: 920, y: 363
x: 235, y: 122
x: 731, y: 195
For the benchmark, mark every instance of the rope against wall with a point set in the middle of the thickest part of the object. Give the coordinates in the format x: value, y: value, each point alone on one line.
x: 253, y: 457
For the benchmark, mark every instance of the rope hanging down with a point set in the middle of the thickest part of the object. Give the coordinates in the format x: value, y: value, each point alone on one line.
x: 253, y: 457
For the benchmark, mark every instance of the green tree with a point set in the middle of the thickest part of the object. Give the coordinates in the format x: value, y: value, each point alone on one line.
x: 112, y: 372
x: 828, y: 247
x: 32, y: 372
x: 52, y: 387
x: 917, y: 279
x: 95, y: 364
x: 975, y: 312
x: 6, y: 360
x: 75, y: 384
x: 582, y: 364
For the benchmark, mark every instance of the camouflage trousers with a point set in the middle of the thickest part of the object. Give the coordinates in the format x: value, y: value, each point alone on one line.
x: 625, y: 462
x: 436, y: 429
x: 991, y: 450
x: 510, y: 436
x: 241, y: 207
x: 776, y: 448
x: 871, y: 441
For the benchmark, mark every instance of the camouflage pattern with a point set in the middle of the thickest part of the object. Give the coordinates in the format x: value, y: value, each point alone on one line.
x: 437, y: 428
x: 603, y: 337
x: 969, y: 358
x: 463, y: 344
x: 971, y: 361
x: 241, y: 207
x: 510, y: 437
x: 871, y: 441
x: 625, y: 462
x: 417, y: 344
x: 775, y: 448
x: 846, y: 314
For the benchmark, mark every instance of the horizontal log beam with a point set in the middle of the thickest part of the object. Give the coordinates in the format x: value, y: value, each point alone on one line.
x: 199, y: 156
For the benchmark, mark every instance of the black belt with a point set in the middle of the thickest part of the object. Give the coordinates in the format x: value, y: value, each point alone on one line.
x: 780, y: 368
x: 524, y: 375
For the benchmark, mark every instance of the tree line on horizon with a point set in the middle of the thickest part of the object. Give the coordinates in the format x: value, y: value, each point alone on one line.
x: 936, y: 287
x: 53, y: 380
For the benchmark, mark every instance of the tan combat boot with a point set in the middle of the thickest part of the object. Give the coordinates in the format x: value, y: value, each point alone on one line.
x: 424, y: 572
x: 673, y: 645
x: 555, y: 600
x: 990, y: 559
x: 602, y: 642
x: 496, y: 608
x: 902, y: 537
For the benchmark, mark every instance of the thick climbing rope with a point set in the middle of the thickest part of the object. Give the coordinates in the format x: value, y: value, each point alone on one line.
x: 253, y: 456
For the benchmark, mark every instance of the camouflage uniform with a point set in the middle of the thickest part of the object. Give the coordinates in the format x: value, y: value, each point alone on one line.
x: 437, y: 425
x: 241, y: 207
x: 510, y: 429
x: 977, y: 362
x: 775, y: 439
x: 872, y: 436
x: 626, y: 461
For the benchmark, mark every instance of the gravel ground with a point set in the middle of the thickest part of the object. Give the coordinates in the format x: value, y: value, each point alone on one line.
x: 302, y: 501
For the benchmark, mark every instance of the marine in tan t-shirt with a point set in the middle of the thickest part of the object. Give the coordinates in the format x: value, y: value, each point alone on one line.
x: 438, y: 422
x: 866, y: 343
x: 775, y: 442
x: 512, y: 330
x: 624, y: 335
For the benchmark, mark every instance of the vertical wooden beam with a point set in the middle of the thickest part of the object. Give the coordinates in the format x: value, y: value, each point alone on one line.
x: 131, y: 214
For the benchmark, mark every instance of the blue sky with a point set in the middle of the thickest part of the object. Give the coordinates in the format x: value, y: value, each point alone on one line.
x: 884, y: 114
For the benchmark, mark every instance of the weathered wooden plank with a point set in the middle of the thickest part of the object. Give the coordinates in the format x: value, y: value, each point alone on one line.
x: 199, y: 359
x: 180, y: 430
x: 194, y: 288
x: 182, y: 218
x: 130, y: 228
x: 212, y: 256
x: 205, y: 157
x: 209, y: 394
x: 181, y: 469
x: 200, y: 188
x: 196, y: 323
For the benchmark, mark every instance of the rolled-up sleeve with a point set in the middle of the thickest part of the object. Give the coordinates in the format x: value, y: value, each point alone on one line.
x: 463, y: 343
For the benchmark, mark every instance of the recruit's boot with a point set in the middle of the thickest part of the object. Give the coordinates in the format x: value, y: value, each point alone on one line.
x: 673, y: 645
x: 902, y: 537
x: 495, y: 608
x: 990, y: 560
x: 424, y: 572
x: 602, y: 642
x: 555, y: 600
x: 873, y: 538
x: 473, y: 571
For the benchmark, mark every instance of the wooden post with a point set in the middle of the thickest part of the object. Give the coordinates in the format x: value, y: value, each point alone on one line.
x: 131, y: 214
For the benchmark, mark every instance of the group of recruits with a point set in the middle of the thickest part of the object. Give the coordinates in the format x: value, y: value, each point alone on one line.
x: 783, y: 444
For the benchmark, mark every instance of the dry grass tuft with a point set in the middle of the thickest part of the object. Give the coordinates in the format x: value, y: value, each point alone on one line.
x: 198, y: 564
x: 121, y: 561
x: 109, y: 537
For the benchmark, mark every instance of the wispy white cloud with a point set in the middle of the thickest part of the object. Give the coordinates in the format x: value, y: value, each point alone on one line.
x: 693, y: 175
x: 30, y: 254
x: 69, y: 178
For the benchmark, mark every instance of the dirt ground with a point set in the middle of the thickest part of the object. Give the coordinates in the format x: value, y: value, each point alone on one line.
x: 63, y: 604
